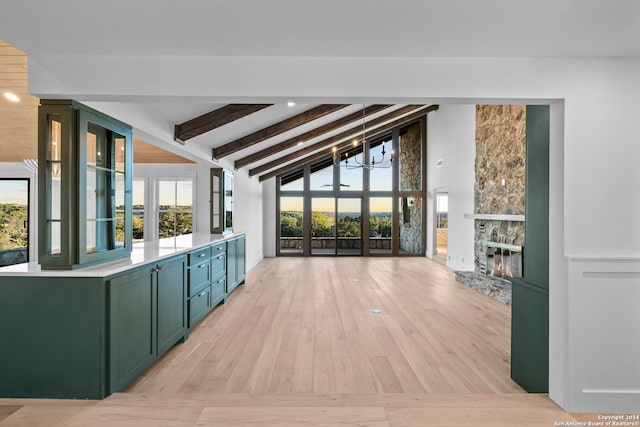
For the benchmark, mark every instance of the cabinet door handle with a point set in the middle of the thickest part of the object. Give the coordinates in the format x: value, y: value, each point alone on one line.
x: 219, y: 281
x: 202, y: 294
x: 201, y: 255
x: 219, y: 248
x: 160, y: 267
x: 202, y: 265
x: 220, y: 257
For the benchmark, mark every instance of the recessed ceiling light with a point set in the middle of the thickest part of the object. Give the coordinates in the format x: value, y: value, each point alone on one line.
x: 290, y: 104
x: 11, y: 97
x: 300, y: 142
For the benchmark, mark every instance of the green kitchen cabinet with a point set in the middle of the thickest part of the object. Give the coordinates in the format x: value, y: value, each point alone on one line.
x: 236, y: 263
x: 90, y: 332
x: 84, y: 202
x: 530, y: 299
x: 132, y: 333
x: 172, y: 302
x: 53, y: 337
x: 148, y: 315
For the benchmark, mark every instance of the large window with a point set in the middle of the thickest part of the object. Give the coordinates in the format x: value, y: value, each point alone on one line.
x: 339, y: 204
x: 14, y: 221
x: 175, y: 212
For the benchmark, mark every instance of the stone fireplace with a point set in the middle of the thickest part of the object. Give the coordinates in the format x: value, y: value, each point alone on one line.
x: 499, y: 195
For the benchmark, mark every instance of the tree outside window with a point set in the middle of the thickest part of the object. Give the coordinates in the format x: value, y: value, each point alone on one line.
x: 175, y: 208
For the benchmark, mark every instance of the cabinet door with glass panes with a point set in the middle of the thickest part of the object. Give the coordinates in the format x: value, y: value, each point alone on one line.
x: 85, y: 208
x: 221, y: 201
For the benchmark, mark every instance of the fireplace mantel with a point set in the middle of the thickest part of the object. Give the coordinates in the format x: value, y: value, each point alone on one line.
x: 494, y: 217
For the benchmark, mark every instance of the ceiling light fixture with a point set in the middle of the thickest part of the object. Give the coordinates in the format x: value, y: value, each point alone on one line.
x: 11, y: 97
x: 382, y: 162
x: 291, y: 104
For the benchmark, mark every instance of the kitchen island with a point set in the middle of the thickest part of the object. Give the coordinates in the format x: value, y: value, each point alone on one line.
x: 90, y: 332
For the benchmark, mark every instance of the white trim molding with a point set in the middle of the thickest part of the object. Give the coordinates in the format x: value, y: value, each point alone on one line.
x: 604, y: 342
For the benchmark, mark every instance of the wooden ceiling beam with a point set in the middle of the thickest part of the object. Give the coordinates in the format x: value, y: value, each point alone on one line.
x: 349, y: 133
x: 276, y: 129
x: 313, y: 133
x: 344, y: 144
x: 214, y: 119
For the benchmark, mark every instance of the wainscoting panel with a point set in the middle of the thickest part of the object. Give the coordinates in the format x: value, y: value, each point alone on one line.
x: 604, y: 330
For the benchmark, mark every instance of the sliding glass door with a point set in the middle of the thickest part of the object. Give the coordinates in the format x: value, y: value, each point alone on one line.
x: 349, y: 238
x: 336, y: 226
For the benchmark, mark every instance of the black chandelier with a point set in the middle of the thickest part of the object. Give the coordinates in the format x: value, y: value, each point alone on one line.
x: 382, y: 162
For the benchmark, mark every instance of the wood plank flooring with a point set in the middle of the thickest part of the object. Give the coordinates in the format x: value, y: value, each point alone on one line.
x: 306, y: 326
x: 299, y: 345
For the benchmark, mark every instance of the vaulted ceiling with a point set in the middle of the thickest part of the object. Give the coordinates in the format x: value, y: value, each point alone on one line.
x: 261, y: 135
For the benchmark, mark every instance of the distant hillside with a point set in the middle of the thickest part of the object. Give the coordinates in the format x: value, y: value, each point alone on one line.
x: 13, y: 231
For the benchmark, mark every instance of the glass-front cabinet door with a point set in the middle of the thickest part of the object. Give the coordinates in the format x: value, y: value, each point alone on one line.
x: 221, y: 191
x: 85, y: 209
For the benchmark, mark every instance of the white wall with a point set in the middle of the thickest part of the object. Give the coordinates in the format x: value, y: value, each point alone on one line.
x: 594, y: 177
x: 248, y: 212
x: 451, y: 138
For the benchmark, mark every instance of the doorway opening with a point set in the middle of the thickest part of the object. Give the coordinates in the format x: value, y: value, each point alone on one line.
x: 441, y: 226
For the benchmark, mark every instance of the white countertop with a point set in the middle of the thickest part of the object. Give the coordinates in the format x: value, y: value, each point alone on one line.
x: 142, y: 253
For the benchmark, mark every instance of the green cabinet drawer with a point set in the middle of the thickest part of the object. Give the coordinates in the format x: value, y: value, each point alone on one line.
x: 218, y: 291
x: 199, y: 275
x: 219, y: 265
x: 218, y: 248
x: 200, y: 255
x: 199, y: 306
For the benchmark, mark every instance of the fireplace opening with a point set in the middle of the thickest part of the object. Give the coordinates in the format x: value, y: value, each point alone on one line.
x: 503, y: 260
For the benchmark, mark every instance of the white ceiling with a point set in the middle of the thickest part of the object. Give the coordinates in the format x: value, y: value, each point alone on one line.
x: 312, y: 28
x: 369, y: 28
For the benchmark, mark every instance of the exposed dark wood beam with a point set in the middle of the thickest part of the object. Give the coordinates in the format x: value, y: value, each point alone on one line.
x: 341, y: 145
x: 349, y: 133
x: 273, y: 130
x: 214, y: 119
x: 292, y: 142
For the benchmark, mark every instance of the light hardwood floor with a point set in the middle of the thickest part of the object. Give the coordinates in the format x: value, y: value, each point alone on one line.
x: 299, y: 345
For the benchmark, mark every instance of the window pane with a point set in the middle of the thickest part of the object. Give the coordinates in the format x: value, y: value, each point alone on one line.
x: 381, y: 178
x: 166, y: 194
x: 175, y: 208
x: 322, y: 176
x: 291, y: 223
x: 14, y: 220
x: 184, y: 195
x: 380, y: 220
x: 166, y: 224
x: 323, y: 226
x: 349, y: 227
x: 138, y: 209
x: 410, y: 158
x: 293, y: 181
x: 351, y: 174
